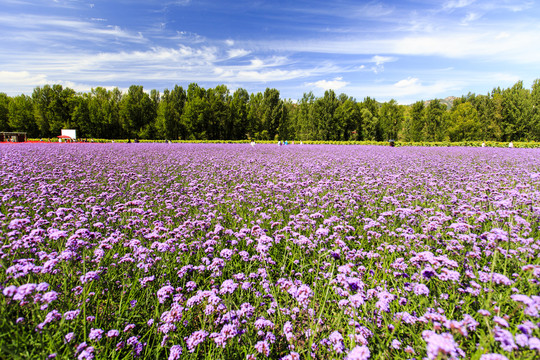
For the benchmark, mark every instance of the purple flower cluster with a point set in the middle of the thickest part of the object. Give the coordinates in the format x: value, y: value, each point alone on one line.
x: 343, y: 252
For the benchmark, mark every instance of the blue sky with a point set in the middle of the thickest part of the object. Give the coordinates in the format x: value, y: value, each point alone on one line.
x: 403, y: 50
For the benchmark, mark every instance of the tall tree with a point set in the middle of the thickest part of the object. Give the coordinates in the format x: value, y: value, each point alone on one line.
x: 324, y: 110
x: 53, y: 107
x: 21, y: 115
x: 434, y: 121
x: 307, y: 125
x: 464, y: 124
x: 391, y: 115
x: 170, y: 110
x: 272, y: 112
x: 534, y: 124
x: 350, y: 119
x: 220, y: 122
x: 137, y: 112
x: 4, y: 112
x: 255, y: 114
x: 197, y: 114
x: 239, y: 107
x: 516, y: 112
x: 416, y: 122
x: 370, y: 120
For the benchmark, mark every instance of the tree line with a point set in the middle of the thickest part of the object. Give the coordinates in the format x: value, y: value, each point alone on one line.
x: 510, y: 114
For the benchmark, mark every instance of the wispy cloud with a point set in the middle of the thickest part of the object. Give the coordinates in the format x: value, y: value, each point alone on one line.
x: 335, y: 84
x: 457, y: 4
x: 377, y: 48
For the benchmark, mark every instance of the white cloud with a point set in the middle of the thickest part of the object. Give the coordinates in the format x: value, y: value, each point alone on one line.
x: 457, y: 4
x: 408, y: 82
x: 21, y: 78
x: 380, y: 60
x: 334, y: 84
x: 229, y: 42
x: 235, y: 53
x: 470, y: 17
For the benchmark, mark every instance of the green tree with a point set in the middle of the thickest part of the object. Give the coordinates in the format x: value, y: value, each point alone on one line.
x: 371, y: 127
x: 21, y: 115
x: 52, y: 109
x: 534, y: 124
x: 239, y: 109
x: 170, y: 110
x: 4, y: 112
x: 464, y: 124
x: 255, y: 115
x: 350, y: 119
x: 197, y: 113
x: 516, y: 112
x: 324, y: 110
x: 416, y: 122
x: 306, y: 124
x: 220, y: 125
x: 391, y: 115
x: 81, y: 116
x: 137, y: 112
x: 434, y: 121
x: 272, y: 112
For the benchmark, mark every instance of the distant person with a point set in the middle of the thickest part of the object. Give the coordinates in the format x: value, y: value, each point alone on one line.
x: 511, y: 145
x: 483, y: 144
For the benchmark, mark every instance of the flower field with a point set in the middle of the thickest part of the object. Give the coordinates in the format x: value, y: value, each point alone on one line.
x: 228, y: 251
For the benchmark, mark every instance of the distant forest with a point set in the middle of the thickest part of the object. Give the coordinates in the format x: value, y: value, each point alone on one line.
x: 511, y: 114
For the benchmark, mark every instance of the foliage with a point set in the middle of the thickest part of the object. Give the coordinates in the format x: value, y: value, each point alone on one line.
x: 505, y: 115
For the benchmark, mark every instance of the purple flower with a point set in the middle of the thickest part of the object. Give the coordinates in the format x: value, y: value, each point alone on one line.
x: 164, y: 293
x: 500, y: 321
x: 23, y: 291
x: 95, y: 334
x: 337, y: 341
x: 493, y: 357
x: 70, y: 315
x: 484, y: 312
x: 263, y: 347
x: 420, y: 289
x: 356, y: 300
x: 113, y: 333
x: 42, y: 287
x: 10, y: 291
x: 176, y: 352
x: 89, y: 276
x: 534, y: 343
x: 195, y: 339
x: 358, y: 353
x: 86, y: 354
x: 228, y: 287
x: 288, y: 331
x: 292, y: 356
x: 69, y: 336
x: 49, y: 297
x: 505, y: 338
x: 442, y: 344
